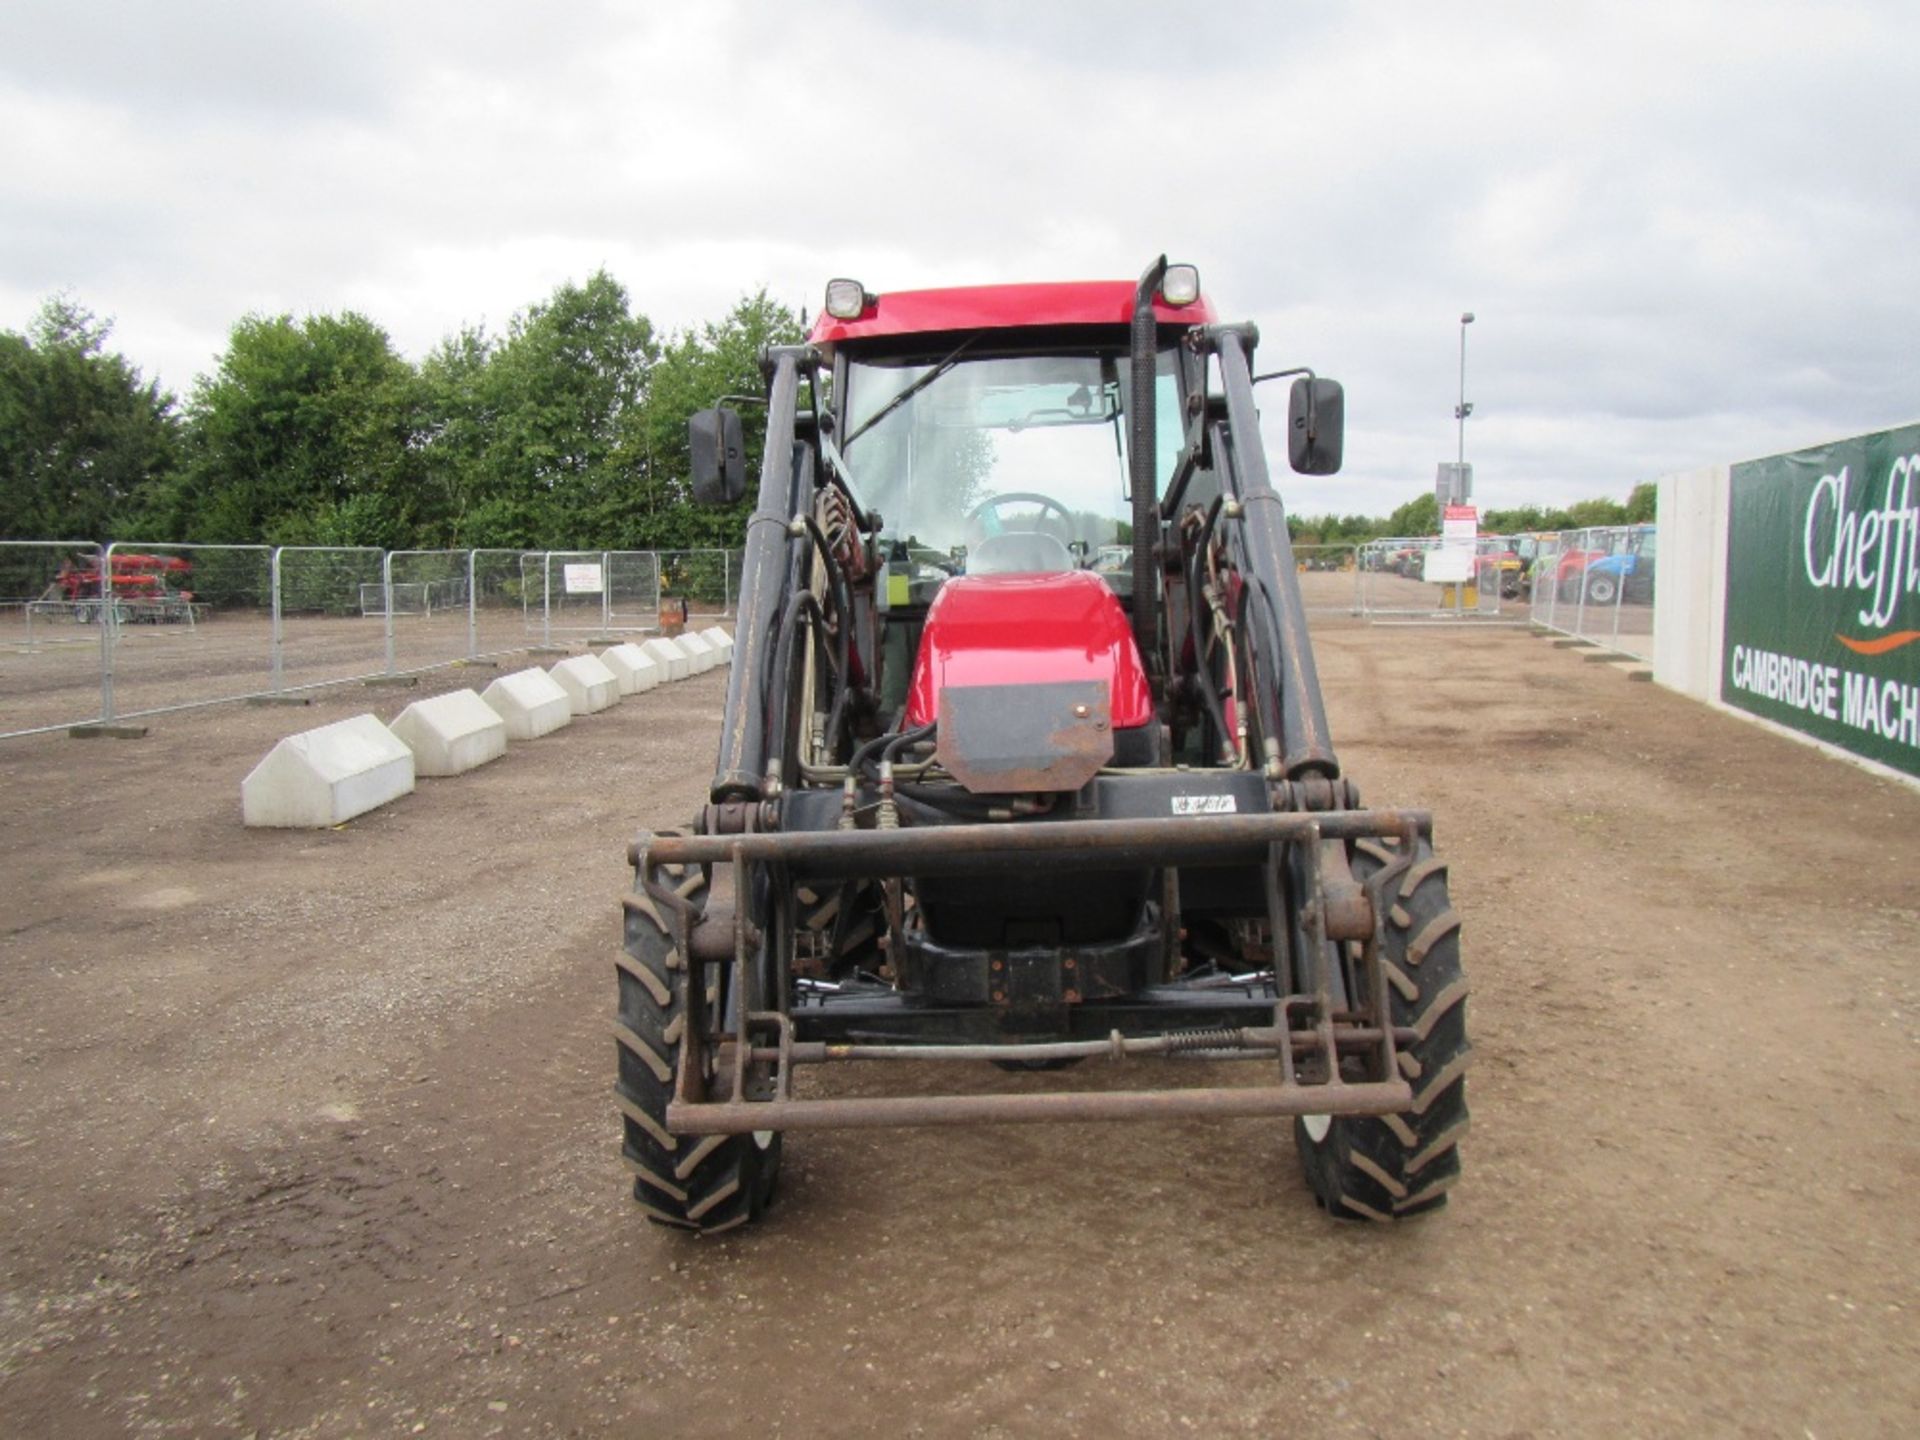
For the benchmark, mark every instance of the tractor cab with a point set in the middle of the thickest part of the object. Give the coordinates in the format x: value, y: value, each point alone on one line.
x: 994, y: 454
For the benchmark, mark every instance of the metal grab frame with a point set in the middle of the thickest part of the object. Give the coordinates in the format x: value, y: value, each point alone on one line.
x: 1319, y: 1033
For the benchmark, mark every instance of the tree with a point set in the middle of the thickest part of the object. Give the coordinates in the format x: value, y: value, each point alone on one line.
x: 554, y: 403
x: 305, y: 434
x: 1584, y: 514
x: 1419, y: 516
x: 1643, y: 504
x: 456, y: 431
x: 695, y: 372
x: 83, y: 439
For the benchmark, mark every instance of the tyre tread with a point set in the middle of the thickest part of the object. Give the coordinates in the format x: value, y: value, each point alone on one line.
x: 1388, y: 1168
x: 707, y: 1185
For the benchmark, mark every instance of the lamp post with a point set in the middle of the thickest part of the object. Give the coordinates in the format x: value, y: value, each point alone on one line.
x: 1463, y: 409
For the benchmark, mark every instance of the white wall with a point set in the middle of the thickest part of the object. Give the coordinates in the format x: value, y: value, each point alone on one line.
x: 1690, y: 596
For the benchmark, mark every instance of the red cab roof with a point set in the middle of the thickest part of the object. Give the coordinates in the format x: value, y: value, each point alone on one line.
x: 1001, y: 307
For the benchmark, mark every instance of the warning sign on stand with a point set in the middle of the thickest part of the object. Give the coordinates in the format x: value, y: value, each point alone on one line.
x: 1452, y: 563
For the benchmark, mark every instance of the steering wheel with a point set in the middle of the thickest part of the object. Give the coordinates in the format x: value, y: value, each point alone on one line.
x: 1020, y: 497
x: 1027, y: 550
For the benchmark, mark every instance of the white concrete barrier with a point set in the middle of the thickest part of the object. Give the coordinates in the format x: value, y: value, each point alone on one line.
x: 721, y: 642
x: 531, y: 702
x: 671, y: 656
x: 451, y: 734
x: 324, y: 776
x: 632, y: 667
x: 590, y: 685
x: 699, y: 653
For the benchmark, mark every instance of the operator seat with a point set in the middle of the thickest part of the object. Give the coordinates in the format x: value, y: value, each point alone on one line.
x: 1019, y: 552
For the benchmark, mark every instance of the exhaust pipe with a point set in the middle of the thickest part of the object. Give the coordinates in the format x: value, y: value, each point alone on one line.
x: 1143, y: 444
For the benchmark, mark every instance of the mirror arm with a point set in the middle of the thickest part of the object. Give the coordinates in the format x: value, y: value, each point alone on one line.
x: 1313, y: 420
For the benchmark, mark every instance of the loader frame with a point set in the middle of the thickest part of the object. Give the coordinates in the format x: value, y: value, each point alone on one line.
x: 1296, y: 1029
x: 1317, y: 1012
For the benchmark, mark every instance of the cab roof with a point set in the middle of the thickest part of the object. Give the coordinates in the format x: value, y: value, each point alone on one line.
x: 1001, y: 307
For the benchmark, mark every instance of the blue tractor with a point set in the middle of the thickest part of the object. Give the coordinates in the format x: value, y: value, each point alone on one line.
x: 1625, y: 575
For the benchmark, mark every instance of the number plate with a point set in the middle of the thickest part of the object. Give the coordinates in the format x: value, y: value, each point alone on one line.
x: 1203, y: 805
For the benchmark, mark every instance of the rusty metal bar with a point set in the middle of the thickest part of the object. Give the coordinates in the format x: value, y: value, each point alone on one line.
x: 1252, y: 1044
x: 1349, y: 915
x: 1079, y: 844
x: 1313, y: 853
x: 743, y: 1041
x: 879, y: 1112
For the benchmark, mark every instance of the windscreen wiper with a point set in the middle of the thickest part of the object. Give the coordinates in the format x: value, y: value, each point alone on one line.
x: 912, y: 390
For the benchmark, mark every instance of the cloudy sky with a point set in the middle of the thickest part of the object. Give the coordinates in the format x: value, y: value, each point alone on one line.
x: 1688, y: 230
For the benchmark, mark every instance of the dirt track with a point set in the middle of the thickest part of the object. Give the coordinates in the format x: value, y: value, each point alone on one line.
x: 311, y: 1134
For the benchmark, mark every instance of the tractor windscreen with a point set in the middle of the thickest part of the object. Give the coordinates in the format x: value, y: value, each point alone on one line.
x: 999, y: 464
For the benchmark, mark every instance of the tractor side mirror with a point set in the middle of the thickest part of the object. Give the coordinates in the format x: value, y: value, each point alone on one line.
x: 1316, y: 425
x: 717, y: 456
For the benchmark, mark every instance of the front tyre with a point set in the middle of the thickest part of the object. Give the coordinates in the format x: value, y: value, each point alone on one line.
x: 707, y: 1183
x: 1393, y: 1167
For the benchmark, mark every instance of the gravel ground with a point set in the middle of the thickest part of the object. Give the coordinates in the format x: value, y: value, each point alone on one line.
x: 310, y: 1134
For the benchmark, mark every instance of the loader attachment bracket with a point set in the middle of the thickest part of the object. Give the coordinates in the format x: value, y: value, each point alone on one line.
x: 1330, y: 1048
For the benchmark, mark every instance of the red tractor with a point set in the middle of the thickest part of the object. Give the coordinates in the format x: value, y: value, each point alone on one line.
x: 1024, y: 761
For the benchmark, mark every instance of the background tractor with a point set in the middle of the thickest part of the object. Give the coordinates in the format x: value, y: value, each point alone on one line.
x: 1024, y: 761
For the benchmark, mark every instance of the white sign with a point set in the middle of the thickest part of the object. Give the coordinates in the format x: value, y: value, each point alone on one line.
x: 1460, y: 525
x: 1203, y: 805
x: 1452, y: 562
x: 582, y: 579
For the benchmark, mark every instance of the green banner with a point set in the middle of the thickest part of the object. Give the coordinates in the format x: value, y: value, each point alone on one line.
x: 1823, y: 594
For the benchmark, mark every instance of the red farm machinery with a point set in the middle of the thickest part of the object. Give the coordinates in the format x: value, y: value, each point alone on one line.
x: 142, y: 588
x: 1025, y: 761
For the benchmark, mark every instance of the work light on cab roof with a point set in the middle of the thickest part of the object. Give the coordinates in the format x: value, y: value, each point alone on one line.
x: 1180, y: 286
x: 846, y: 299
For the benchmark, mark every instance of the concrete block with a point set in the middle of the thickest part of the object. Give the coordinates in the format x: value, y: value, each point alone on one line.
x: 671, y: 656
x: 451, y: 734
x: 531, y: 702
x: 590, y: 685
x: 721, y: 642
x: 324, y: 776
x: 699, y: 653
x: 632, y: 667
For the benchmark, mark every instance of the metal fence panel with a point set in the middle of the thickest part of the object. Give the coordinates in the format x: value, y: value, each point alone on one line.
x: 633, y: 591
x: 498, y: 619
x: 1329, y: 579
x: 566, y: 593
x: 1392, y: 577
x: 177, y: 626
x: 195, y: 627
x: 319, y: 597
x: 1598, y: 585
x: 424, y: 615
x: 703, y: 578
x: 736, y: 563
x: 49, y: 612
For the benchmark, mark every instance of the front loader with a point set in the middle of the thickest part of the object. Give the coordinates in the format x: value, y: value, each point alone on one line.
x: 1024, y: 761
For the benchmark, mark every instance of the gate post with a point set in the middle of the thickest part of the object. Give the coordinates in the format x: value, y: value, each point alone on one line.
x: 273, y: 589
x: 386, y: 590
